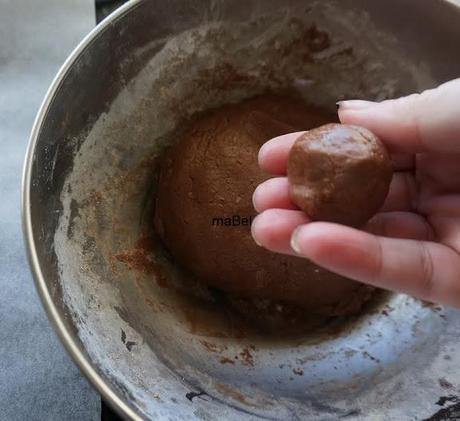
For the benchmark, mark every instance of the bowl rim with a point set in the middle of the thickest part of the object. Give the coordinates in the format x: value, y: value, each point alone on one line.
x: 69, y: 340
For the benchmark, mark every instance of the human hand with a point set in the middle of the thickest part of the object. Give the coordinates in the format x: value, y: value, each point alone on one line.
x: 413, y: 244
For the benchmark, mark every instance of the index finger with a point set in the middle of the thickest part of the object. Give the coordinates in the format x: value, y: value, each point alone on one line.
x: 426, y: 122
x: 273, y: 154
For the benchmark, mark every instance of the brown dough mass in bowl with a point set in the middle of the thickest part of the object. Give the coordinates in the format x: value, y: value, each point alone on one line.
x: 211, y: 172
x: 339, y: 173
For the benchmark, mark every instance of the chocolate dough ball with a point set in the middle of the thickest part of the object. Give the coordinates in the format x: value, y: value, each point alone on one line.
x: 209, y: 175
x: 339, y: 173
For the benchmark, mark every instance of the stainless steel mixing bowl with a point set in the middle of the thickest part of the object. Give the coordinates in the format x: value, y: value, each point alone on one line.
x: 90, y: 180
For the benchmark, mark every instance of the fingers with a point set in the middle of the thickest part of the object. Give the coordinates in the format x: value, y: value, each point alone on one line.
x: 273, y: 193
x: 426, y: 122
x: 447, y: 205
x: 402, y: 195
x: 440, y: 171
x: 420, y: 268
x: 273, y: 228
x: 448, y: 231
x: 400, y: 225
x: 273, y: 154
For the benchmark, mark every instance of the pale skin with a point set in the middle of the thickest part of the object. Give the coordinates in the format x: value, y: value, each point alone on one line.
x: 413, y: 244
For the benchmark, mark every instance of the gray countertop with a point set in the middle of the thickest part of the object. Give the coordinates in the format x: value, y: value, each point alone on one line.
x: 38, y: 381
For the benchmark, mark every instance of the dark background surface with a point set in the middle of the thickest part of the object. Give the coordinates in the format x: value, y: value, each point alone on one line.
x: 105, y: 7
x: 449, y: 406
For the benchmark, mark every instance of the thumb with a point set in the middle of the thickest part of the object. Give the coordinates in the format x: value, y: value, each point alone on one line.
x: 426, y: 122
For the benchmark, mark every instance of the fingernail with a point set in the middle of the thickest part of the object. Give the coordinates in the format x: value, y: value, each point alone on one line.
x: 254, y: 199
x: 354, y: 104
x: 295, y: 240
x: 253, y: 231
